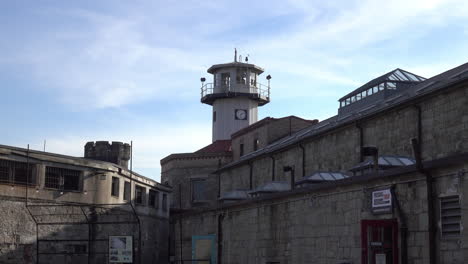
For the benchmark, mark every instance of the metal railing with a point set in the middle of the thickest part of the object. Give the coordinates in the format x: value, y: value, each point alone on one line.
x: 263, y: 91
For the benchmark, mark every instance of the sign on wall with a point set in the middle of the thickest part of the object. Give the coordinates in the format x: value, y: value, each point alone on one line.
x: 382, y: 201
x: 120, y: 249
x: 203, y: 249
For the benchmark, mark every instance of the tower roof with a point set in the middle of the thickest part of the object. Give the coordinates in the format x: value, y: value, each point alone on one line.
x: 254, y: 67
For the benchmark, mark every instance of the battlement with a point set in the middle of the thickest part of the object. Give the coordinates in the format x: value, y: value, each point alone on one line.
x: 115, y: 152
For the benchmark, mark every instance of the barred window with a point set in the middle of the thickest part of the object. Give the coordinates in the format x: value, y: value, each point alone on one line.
x: 126, y: 195
x: 15, y: 172
x: 62, y: 179
x: 115, y: 186
x: 153, y: 198
x: 139, y: 194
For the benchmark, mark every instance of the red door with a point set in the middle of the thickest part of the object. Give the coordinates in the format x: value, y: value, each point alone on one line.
x: 379, y: 241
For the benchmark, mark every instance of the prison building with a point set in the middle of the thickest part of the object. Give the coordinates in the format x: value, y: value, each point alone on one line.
x: 92, y: 209
x: 382, y: 181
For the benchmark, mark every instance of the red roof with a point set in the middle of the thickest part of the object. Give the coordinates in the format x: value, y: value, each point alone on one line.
x: 217, y: 146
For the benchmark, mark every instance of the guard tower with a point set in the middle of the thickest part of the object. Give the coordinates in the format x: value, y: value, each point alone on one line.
x: 235, y: 95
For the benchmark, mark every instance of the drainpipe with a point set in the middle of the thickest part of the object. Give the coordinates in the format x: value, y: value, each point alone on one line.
x: 417, y: 150
x: 219, y: 178
x: 220, y: 238
x: 303, y: 159
x: 403, y: 227
x: 180, y: 224
x: 250, y: 175
x: 430, y: 202
x: 272, y: 168
x: 361, y: 141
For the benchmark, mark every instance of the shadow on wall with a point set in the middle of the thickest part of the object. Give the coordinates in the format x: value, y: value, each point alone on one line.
x: 70, y: 233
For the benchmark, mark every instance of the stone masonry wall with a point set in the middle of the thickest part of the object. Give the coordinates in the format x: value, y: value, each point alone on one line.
x: 324, y: 226
x: 18, y: 233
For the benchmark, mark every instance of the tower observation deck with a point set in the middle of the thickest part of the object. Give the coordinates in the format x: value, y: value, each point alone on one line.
x: 235, y: 93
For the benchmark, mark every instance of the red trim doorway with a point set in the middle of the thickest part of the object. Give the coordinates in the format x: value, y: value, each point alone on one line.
x: 384, y: 241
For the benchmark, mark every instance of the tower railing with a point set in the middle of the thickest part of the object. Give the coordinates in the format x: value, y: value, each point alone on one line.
x: 263, y: 91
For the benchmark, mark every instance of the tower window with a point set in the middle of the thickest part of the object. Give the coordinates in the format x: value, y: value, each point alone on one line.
x: 226, y: 79
x: 241, y: 149
x: 214, y: 116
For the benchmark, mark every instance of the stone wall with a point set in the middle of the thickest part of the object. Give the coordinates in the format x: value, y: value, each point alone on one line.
x: 179, y: 171
x: 324, y: 225
x: 18, y: 242
x: 444, y: 127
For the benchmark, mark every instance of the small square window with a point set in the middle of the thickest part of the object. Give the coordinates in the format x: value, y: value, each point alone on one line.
x: 115, y: 186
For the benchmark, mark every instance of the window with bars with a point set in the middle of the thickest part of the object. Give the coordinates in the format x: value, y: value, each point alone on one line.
x: 126, y: 195
x: 139, y: 195
x: 153, y: 198
x: 450, y: 216
x: 62, y: 179
x: 115, y: 186
x: 14, y: 172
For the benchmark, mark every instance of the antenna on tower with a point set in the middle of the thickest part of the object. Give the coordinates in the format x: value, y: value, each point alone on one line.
x: 247, y: 58
x: 235, y: 55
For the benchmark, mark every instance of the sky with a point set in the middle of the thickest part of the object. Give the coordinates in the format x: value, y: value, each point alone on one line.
x: 78, y: 71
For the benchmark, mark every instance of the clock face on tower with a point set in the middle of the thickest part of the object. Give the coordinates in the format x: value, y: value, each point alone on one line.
x: 240, y: 114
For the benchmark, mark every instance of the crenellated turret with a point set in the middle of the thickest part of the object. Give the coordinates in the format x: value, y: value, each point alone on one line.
x: 117, y: 152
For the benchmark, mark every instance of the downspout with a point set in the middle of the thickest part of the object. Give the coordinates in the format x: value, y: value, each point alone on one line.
x: 361, y: 141
x: 220, y: 238
x: 250, y: 175
x: 417, y: 149
x: 403, y: 227
x: 219, y: 178
x: 180, y: 224
x: 272, y: 168
x: 303, y: 159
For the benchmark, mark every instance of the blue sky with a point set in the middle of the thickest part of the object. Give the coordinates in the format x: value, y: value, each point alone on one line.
x: 80, y: 71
